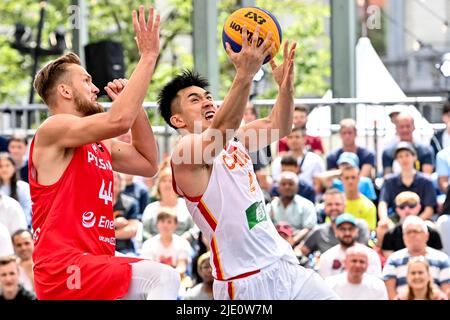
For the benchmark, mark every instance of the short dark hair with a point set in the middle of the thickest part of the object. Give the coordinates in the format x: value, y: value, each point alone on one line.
x: 446, y: 107
x: 299, y: 129
x: 187, y: 78
x: 19, y: 232
x: 18, y: 138
x: 7, y: 260
x: 166, y: 213
x: 301, y: 108
x: 289, y: 161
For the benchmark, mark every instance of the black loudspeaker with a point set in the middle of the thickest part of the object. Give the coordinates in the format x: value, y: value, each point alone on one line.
x: 104, y: 62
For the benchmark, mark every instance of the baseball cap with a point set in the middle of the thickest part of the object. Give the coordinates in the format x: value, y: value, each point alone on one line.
x: 349, y: 158
x: 345, y: 217
x: 404, y: 145
x: 284, y: 227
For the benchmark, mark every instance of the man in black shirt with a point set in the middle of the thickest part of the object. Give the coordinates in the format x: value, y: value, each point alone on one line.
x: 407, y: 204
x: 9, y: 281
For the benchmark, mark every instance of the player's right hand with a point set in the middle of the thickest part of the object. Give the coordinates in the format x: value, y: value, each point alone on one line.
x: 147, y: 32
x: 250, y: 59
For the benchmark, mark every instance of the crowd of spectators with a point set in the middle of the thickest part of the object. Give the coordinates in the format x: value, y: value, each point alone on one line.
x: 367, y: 240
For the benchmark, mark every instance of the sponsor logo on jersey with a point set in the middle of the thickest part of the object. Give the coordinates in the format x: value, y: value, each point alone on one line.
x: 88, y: 219
x: 36, y: 234
x: 256, y: 213
x: 98, y: 161
x: 233, y: 155
x: 110, y: 240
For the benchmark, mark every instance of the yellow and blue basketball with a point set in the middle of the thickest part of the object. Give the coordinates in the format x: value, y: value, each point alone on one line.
x: 251, y: 17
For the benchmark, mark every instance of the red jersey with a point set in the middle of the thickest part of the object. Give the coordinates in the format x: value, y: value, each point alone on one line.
x: 74, y: 234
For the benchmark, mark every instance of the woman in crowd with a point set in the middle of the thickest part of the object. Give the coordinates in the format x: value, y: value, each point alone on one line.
x: 11, y: 186
x: 168, y: 198
x: 420, y: 282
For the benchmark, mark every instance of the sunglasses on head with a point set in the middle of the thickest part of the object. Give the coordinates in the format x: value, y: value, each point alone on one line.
x: 409, y: 205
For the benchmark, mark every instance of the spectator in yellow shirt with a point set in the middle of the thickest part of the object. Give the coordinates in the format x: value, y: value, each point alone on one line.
x: 356, y: 203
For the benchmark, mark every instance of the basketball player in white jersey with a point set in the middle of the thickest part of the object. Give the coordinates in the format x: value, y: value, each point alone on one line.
x: 213, y: 172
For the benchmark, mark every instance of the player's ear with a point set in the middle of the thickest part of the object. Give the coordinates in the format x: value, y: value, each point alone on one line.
x: 64, y: 90
x: 177, y: 121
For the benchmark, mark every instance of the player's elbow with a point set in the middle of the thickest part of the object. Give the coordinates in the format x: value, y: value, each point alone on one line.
x: 121, y: 124
x: 150, y: 171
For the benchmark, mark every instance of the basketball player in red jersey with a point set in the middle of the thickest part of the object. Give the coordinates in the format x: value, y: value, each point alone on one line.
x: 72, y: 158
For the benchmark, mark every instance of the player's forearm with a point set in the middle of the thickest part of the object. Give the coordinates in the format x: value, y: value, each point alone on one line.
x: 232, y: 109
x: 281, y: 117
x: 144, y: 141
x: 127, y: 106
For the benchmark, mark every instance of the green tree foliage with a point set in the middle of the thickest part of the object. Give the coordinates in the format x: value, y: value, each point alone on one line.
x: 111, y: 19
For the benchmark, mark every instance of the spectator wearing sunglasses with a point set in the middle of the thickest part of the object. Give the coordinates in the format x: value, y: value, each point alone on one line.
x: 407, y: 203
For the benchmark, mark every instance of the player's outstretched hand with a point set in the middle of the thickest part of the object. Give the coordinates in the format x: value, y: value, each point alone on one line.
x: 147, y: 32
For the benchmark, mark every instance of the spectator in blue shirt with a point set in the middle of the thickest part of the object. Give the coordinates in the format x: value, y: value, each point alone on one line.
x: 409, y: 179
x: 365, y: 185
x: 348, y: 135
x: 424, y: 154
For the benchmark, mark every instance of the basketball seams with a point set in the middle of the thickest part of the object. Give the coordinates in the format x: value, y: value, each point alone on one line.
x: 229, y: 34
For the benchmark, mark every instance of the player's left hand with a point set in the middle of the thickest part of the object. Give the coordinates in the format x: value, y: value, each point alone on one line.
x: 115, y: 87
x: 284, y: 73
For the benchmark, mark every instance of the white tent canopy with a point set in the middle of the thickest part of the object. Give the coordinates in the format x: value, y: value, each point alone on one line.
x: 374, y: 83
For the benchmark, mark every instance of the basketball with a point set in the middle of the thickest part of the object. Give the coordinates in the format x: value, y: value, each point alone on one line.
x: 251, y: 17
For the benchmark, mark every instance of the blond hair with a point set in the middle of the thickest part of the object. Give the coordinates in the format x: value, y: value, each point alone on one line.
x: 165, y: 172
x: 407, y: 197
x: 348, y: 123
x: 51, y: 74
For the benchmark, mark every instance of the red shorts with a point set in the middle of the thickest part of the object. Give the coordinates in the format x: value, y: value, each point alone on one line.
x: 85, y: 277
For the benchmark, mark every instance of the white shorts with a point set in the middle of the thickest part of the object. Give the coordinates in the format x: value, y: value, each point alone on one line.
x: 282, y: 280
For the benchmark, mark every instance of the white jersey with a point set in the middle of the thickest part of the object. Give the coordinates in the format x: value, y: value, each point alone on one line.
x: 231, y: 215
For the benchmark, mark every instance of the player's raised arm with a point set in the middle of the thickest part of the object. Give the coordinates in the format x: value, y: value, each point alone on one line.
x: 66, y: 85
x: 262, y: 132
